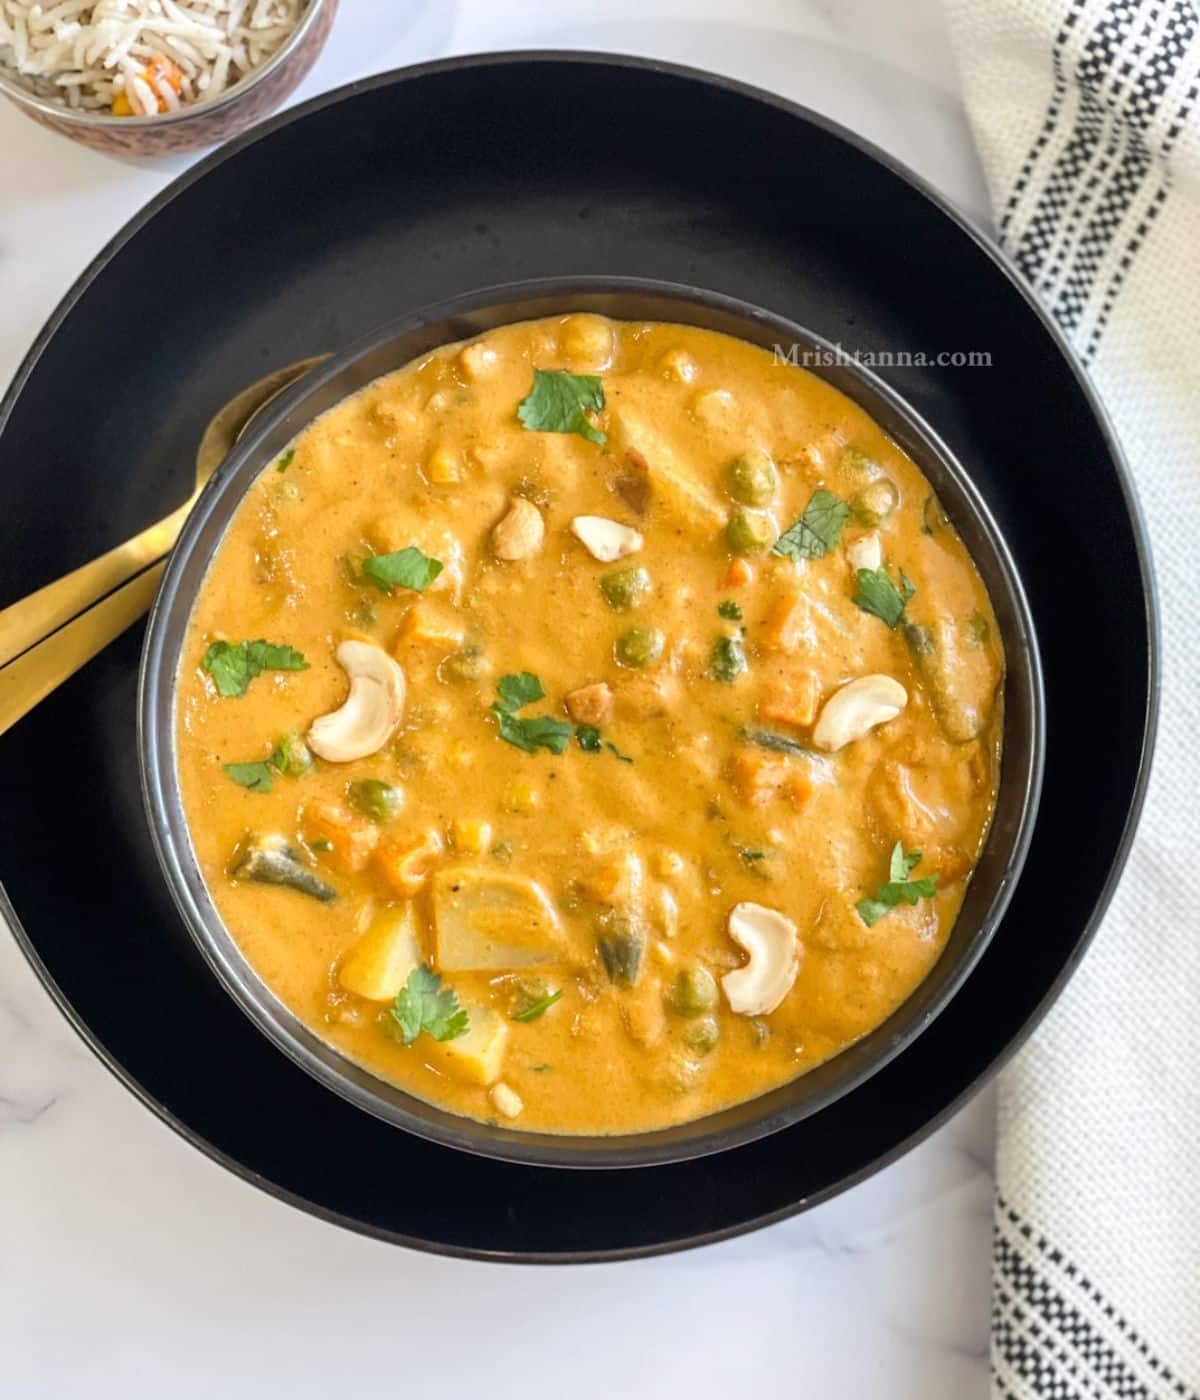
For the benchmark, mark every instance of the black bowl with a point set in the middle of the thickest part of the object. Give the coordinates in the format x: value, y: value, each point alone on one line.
x: 390, y: 194
x: 389, y: 349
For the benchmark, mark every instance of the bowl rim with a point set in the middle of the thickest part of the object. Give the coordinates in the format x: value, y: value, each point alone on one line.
x: 448, y: 321
x: 10, y: 86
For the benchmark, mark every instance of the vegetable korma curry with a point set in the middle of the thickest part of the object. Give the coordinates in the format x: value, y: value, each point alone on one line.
x: 592, y: 725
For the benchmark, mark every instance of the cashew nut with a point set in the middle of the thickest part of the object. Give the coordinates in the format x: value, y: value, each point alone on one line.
x: 865, y: 552
x: 371, y: 712
x: 605, y: 539
x: 770, y: 940
x: 852, y: 712
x: 520, y: 533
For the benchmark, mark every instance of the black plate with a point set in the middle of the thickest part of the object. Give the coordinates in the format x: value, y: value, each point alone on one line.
x: 413, y: 187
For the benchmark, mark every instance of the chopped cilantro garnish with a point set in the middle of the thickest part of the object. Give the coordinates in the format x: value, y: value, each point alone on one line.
x: 530, y: 734
x: 543, y: 1004
x: 255, y: 776
x: 286, y: 460
x: 559, y: 403
x: 880, y: 597
x: 591, y: 741
x: 233, y: 665
x: 728, y: 608
x: 425, y: 1005
x: 406, y: 568
x: 818, y: 529
x: 899, y: 889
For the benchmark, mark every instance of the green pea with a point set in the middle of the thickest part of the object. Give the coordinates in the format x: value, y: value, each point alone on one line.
x: 465, y: 665
x: 639, y: 646
x: 751, y: 478
x: 702, y: 1035
x: 291, y: 755
x: 695, y: 991
x: 625, y: 588
x: 748, y: 532
x: 875, y: 502
x: 376, y: 799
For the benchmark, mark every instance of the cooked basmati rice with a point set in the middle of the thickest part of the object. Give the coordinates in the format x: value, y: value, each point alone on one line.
x: 86, y: 53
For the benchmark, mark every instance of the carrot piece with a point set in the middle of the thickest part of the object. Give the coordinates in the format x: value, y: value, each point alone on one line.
x: 786, y: 622
x: 343, y: 838
x: 739, y: 573
x: 404, y: 863
x: 792, y: 699
x: 799, y: 786
x: 757, y: 776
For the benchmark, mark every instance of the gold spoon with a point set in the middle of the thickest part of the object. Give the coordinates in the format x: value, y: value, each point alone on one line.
x: 49, y: 635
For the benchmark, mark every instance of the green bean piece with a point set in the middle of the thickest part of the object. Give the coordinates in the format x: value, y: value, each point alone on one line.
x: 875, y: 502
x: 625, y: 588
x: 375, y: 798
x: 751, y: 478
x: 620, y: 944
x: 269, y: 860
x: 695, y: 991
x: 638, y: 647
x: 702, y: 1035
x: 748, y: 532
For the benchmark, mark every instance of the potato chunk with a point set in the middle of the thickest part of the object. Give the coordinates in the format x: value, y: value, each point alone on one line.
x: 485, y: 920
x: 478, y: 1055
x: 692, y: 501
x: 378, y: 965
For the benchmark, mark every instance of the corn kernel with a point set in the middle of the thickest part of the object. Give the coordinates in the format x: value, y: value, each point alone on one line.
x: 472, y: 835
x: 521, y: 797
x: 442, y: 468
x: 460, y: 754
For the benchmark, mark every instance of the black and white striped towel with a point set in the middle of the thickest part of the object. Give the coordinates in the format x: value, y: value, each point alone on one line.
x: 1087, y: 117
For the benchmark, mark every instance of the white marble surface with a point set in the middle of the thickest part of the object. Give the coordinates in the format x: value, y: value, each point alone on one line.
x: 132, y: 1267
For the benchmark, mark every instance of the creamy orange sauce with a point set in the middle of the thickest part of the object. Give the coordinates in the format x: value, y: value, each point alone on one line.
x: 557, y: 853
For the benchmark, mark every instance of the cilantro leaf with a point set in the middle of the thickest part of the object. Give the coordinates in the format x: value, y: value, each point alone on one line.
x: 539, y: 732
x: 406, y: 568
x: 899, y: 889
x: 880, y: 597
x: 519, y: 690
x: 286, y: 460
x: 589, y: 738
x: 818, y: 529
x: 425, y: 1005
x: 539, y: 1007
x: 590, y: 741
x: 255, y: 776
x: 233, y: 665
x: 728, y: 608
x: 557, y: 401
x: 728, y: 659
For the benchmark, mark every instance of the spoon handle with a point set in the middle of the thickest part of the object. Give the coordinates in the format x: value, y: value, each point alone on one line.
x: 43, y: 668
x: 36, y: 616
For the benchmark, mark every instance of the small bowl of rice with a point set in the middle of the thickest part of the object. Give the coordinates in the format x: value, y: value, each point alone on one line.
x: 152, y: 77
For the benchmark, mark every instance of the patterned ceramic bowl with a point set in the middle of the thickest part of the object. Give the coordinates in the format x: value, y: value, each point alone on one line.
x: 203, y: 124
